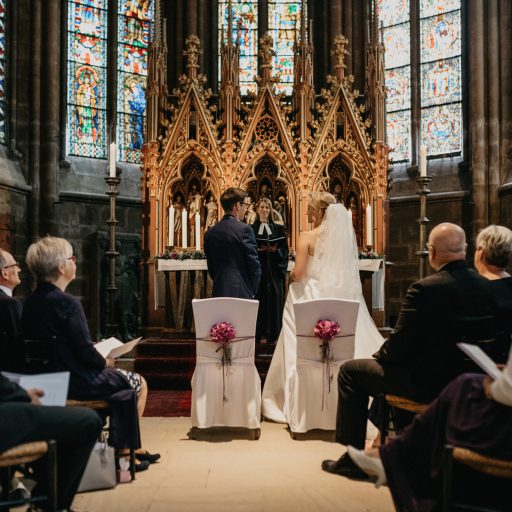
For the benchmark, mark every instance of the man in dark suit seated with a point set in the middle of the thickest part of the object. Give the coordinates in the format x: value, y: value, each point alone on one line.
x: 231, y: 250
x: 11, y: 358
x: 420, y: 357
x: 24, y: 420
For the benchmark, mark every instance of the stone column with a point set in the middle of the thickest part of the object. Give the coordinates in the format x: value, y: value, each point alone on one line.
x: 415, y: 85
x: 348, y: 33
x: 505, y: 49
x: 335, y: 15
x: 191, y: 9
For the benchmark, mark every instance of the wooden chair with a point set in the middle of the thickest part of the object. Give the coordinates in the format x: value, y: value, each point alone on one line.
x: 391, y: 403
x: 23, y: 454
x: 488, y: 465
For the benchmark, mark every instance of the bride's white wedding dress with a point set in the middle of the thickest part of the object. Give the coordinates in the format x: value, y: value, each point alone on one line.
x: 331, y: 272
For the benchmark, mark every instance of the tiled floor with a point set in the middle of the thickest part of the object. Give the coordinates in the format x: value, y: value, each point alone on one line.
x: 224, y: 471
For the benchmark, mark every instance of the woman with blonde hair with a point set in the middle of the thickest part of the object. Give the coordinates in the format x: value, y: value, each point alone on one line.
x: 326, y: 266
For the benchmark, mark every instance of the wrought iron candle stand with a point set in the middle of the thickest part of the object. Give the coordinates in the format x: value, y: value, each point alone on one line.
x: 423, y: 192
x: 112, y: 254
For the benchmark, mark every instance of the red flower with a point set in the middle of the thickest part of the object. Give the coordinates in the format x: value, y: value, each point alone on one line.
x: 326, y: 330
x: 222, y: 333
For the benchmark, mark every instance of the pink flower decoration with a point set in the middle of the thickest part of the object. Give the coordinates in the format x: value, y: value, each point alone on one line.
x: 222, y: 333
x: 326, y: 330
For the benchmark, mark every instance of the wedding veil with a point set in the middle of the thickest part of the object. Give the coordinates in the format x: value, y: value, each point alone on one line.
x: 336, y: 256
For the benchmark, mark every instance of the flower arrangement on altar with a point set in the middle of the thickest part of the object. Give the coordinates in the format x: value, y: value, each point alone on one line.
x: 369, y: 254
x: 181, y: 255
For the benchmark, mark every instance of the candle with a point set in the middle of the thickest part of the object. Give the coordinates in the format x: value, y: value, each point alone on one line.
x: 423, y: 161
x: 171, y: 225
x: 184, y: 228
x: 112, y: 160
x: 198, y: 232
x: 369, y: 233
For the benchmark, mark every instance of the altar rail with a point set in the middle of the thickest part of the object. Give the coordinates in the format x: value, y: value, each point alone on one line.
x: 177, y: 282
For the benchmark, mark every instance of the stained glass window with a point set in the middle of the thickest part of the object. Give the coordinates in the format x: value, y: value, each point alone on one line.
x: 284, y: 22
x: 394, y: 16
x: 2, y: 73
x: 87, y: 61
x: 133, y: 35
x: 440, y: 75
x: 441, y: 95
x: 245, y: 14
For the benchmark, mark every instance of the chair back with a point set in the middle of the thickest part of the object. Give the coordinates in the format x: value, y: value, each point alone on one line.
x: 40, y: 355
x: 240, y: 313
x: 307, y: 314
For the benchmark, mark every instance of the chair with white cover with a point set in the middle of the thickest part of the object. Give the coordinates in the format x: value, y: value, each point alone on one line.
x: 226, y: 395
x: 312, y: 389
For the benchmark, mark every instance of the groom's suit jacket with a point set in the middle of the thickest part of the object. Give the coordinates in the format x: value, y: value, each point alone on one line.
x: 454, y: 304
x: 232, y: 257
x: 10, y: 340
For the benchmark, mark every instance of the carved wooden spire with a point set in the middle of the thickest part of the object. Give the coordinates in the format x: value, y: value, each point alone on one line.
x: 266, y: 53
x: 192, y: 52
x: 338, y: 52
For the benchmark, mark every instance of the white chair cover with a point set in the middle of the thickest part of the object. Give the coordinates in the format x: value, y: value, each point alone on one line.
x: 313, y: 400
x: 239, y: 382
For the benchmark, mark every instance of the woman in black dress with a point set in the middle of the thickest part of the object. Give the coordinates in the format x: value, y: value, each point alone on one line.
x: 273, y: 253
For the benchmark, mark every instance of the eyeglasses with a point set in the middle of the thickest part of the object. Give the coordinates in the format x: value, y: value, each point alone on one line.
x: 73, y: 258
x: 245, y: 204
x: 15, y: 264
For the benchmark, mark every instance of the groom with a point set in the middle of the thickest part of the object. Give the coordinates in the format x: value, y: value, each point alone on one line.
x: 231, y: 250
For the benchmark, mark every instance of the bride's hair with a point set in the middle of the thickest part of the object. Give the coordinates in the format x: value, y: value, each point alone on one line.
x: 321, y: 200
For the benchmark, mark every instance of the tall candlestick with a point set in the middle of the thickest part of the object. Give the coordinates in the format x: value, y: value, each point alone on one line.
x: 198, y: 232
x: 171, y: 225
x: 423, y: 161
x: 184, y: 228
x: 369, y: 232
x: 112, y: 160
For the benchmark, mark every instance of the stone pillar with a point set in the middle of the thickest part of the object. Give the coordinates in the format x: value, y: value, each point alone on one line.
x: 191, y: 19
x: 348, y: 33
x: 335, y: 15
x: 505, y: 49
x: 415, y: 85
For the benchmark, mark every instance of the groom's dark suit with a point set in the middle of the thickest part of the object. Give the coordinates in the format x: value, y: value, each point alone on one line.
x: 420, y: 357
x: 232, y: 257
x: 10, y: 342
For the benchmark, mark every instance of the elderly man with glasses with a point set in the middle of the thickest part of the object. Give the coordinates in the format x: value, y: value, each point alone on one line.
x: 10, y: 314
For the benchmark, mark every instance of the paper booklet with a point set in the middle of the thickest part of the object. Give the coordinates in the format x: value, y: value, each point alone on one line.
x: 113, y: 348
x: 54, y: 385
x: 481, y: 359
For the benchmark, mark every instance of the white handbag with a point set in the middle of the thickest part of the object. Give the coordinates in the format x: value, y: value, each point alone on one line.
x: 100, y: 472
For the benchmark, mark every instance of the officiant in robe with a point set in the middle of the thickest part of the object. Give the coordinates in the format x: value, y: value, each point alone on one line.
x: 273, y: 254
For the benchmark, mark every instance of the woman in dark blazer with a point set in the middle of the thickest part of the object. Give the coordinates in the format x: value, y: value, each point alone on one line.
x: 50, y: 312
x: 273, y: 254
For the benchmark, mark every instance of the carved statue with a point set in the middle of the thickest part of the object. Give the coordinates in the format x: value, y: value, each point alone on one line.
x: 194, y: 206
x: 250, y: 216
x: 211, y: 215
x: 266, y: 49
x: 178, y: 208
x: 193, y: 50
x: 282, y: 207
x: 337, y: 193
x: 339, y: 51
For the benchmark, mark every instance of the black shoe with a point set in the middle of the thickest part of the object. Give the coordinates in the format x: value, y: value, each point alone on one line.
x: 344, y: 466
x: 141, y: 466
x: 146, y: 456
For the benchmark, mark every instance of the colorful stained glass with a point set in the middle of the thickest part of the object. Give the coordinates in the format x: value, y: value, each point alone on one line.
x: 284, y: 21
x: 398, y: 89
x: 434, y: 7
x: 86, y: 98
x: 245, y: 16
x: 2, y: 73
x: 399, y: 134
x: 440, y: 37
x: 134, y: 30
x: 393, y: 12
x: 441, y: 129
x: 441, y: 82
x: 397, y: 46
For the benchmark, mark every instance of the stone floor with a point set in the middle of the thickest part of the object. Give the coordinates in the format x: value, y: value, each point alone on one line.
x: 224, y: 471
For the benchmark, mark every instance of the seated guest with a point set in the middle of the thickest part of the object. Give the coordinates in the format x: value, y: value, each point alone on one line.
x: 11, y: 358
x: 50, y: 312
x: 493, y: 254
x: 75, y: 430
x: 420, y: 357
x: 472, y: 412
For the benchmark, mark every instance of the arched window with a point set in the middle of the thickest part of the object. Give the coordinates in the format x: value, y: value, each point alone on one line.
x: 283, y: 22
x: 2, y: 73
x: 134, y: 27
x: 88, y: 51
x: 245, y: 16
x: 435, y: 28
x: 87, y: 78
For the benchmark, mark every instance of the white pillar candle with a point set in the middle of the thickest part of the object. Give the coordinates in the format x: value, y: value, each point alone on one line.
x: 184, y: 228
x: 369, y: 233
x: 198, y: 232
x: 423, y: 161
x: 171, y: 225
x: 112, y: 160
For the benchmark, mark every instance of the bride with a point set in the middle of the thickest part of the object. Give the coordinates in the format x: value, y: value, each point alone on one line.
x: 325, y: 267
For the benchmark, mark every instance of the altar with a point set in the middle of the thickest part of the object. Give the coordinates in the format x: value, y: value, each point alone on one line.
x: 177, y: 282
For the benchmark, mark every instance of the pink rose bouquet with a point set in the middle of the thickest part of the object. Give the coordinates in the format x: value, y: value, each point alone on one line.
x: 326, y: 330
x: 223, y: 333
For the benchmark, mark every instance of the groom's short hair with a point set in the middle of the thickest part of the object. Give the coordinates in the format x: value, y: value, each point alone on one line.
x: 230, y: 197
